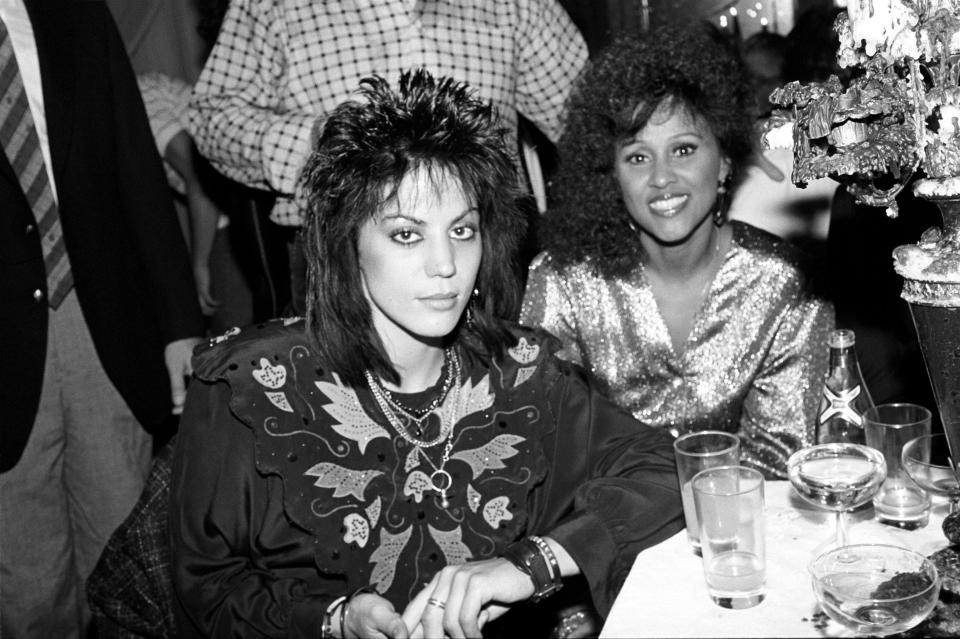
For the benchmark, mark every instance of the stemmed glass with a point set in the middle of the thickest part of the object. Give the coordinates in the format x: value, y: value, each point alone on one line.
x: 874, y: 589
x: 839, y: 477
x: 927, y: 462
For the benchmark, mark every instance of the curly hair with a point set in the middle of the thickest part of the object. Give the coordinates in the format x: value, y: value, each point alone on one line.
x: 693, y: 69
x: 362, y: 153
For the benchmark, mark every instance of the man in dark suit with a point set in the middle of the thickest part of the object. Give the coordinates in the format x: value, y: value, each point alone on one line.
x: 98, y: 312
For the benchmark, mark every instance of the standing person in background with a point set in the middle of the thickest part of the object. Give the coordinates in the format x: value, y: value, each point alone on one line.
x: 99, y: 310
x: 763, y: 56
x: 800, y: 215
x: 690, y: 321
x: 279, y: 67
x: 161, y: 36
x: 166, y: 51
x: 225, y: 298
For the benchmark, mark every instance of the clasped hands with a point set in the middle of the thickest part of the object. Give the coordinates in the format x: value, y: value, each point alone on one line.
x: 457, y: 603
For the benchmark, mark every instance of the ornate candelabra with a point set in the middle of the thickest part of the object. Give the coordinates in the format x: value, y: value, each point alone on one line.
x: 897, y: 115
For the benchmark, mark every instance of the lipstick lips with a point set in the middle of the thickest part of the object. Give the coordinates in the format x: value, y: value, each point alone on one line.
x: 668, y: 204
x: 440, y: 301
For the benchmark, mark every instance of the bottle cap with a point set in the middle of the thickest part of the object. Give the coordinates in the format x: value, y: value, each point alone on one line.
x: 842, y: 338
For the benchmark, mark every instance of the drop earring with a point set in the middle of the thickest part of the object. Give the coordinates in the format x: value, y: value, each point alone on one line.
x: 720, y: 206
x: 474, y: 300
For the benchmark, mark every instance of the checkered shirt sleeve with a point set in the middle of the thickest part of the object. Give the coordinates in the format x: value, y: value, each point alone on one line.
x: 552, y: 54
x: 280, y: 65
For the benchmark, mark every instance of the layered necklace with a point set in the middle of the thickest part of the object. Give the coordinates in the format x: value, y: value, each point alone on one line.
x: 417, y: 416
x: 392, y: 409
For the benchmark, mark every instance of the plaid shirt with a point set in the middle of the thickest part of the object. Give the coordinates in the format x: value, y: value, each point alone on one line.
x: 279, y: 64
x: 130, y: 591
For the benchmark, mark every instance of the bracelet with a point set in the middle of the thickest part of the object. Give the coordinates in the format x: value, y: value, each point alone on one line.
x: 326, y: 630
x: 370, y: 590
x: 528, y: 557
x: 549, y: 556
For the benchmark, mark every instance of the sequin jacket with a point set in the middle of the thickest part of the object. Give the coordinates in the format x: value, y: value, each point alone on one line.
x: 291, y: 488
x: 753, y: 363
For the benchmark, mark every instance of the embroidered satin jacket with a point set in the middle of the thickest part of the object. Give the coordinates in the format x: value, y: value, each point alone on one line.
x: 291, y: 488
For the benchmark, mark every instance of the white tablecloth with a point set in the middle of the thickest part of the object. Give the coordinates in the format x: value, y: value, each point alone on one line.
x: 665, y: 594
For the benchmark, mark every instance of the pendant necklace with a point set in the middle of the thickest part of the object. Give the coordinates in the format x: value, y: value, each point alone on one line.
x: 440, y: 479
x: 416, y: 417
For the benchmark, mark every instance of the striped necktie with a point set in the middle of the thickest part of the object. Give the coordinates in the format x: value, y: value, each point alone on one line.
x: 22, y: 147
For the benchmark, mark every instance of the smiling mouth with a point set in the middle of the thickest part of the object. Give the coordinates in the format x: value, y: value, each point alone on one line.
x: 669, y: 204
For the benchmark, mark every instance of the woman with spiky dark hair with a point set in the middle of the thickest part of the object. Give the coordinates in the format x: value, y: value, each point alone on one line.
x: 406, y: 462
x: 687, y: 320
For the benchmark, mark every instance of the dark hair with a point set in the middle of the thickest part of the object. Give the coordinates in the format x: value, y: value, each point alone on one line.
x: 769, y: 44
x: 766, y: 42
x: 812, y: 44
x: 693, y: 69
x: 362, y: 153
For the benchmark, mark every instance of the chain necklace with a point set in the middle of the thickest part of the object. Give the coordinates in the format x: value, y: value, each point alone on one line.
x: 384, y: 404
x: 440, y: 479
x: 419, y: 415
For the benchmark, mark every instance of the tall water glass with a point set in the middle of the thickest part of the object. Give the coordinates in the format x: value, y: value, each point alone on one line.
x: 899, y: 502
x: 730, y: 509
x: 695, y: 452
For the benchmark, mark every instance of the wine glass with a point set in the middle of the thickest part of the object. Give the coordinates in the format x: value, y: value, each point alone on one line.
x: 882, y: 590
x: 839, y: 477
x: 926, y: 459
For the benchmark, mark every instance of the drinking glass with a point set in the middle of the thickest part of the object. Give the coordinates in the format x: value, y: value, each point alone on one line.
x: 899, y: 502
x: 697, y: 451
x: 927, y: 460
x: 730, y: 512
x: 839, y: 477
x: 881, y: 591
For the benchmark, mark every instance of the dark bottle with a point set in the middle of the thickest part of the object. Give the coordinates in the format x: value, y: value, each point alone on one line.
x: 845, y: 397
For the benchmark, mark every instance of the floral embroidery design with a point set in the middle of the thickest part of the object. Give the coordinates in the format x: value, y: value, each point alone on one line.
x: 473, y: 498
x: 402, y: 513
x: 524, y: 352
x: 451, y: 545
x: 417, y: 482
x: 413, y: 459
x: 473, y: 399
x: 344, y: 481
x: 373, y: 511
x: 273, y: 377
x: 358, y: 530
x: 346, y: 409
x: 496, y: 511
x: 490, y: 455
x: 523, y: 374
x: 279, y: 400
x: 385, y: 557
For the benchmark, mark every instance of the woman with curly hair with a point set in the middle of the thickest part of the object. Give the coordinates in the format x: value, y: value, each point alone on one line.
x: 691, y: 322
x: 406, y: 462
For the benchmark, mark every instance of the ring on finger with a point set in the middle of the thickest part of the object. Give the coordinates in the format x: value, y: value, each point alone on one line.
x: 437, y: 602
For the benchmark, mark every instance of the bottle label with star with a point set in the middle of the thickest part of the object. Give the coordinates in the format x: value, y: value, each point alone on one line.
x: 838, y: 419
